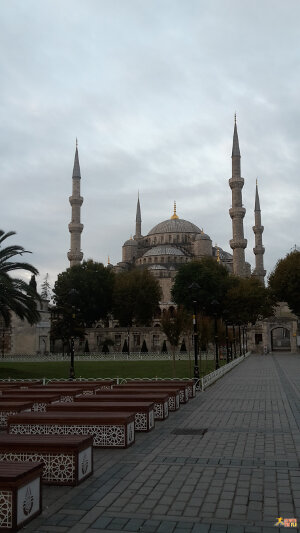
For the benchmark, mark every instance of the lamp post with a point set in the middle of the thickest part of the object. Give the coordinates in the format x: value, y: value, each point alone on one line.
x: 225, y: 314
x: 73, y: 293
x: 234, y: 341
x: 243, y: 331
x: 240, y: 339
x: 215, y: 304
x: 193, y: 288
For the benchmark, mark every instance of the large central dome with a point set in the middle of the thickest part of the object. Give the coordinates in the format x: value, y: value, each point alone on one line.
x: 175, y: 225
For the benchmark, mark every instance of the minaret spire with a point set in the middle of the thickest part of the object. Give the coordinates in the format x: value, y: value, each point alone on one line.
x: 259, y: 249
x: 237, y: 212
x: 138, y: 220
x: 75, y: 254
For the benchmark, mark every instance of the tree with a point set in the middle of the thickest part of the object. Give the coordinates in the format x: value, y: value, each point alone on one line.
x: 16, y: 295
x: 248, y: 301
x: 284, y: 281
x: 46, y: 288
x: 136, y: 297
x: 173, y: 323
x: 93, y: 284
x: 213, y: 281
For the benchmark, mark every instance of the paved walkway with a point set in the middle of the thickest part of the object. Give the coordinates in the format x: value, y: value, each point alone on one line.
x: 237, y: 475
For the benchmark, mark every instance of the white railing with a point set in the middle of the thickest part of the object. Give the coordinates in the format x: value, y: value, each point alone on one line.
x: 207, y: 380
x: 115, y: 356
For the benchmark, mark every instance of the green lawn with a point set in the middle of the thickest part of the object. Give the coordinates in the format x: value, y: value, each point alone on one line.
x: 101, y: 369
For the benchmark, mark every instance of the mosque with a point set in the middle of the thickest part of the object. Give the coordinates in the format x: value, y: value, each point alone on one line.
x: 176, y: 241
x: 167, y: 246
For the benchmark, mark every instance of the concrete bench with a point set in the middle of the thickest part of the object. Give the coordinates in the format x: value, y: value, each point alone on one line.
x: 98, y: 384
x: 20, y: 494
x: 172, y: 392
x: 39, y: 400
x: 83, y: 388
x: 144, y: 411
x: 189, y: 383
x: 109, y: 430
x: 183, y: 394
x: 66, y: 394
x: 9, y: 408
x: 67, y: 459
x: 161, y: 400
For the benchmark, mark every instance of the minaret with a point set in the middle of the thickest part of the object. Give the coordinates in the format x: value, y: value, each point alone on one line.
x: 237, y: 212
x: 258, y: 250
x: 138, y: 221
x: 75, y: 254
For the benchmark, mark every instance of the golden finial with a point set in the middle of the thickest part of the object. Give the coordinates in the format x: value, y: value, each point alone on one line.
x: 202, y: 232
x: 218, y: 254
x: 174, y: 216
x: 108, y: 261
x: 131, y: 237
x: 256, y: 182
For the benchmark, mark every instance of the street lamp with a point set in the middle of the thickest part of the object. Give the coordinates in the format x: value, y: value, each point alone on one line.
x: 215, y: 304
x: 234, y: 341
x: 193, y: 288
x: 73, y: 293
x: 225, y: 314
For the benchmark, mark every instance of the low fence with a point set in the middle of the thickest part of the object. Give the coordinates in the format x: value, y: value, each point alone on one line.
x: 115, y: 356
x: 207, y: 380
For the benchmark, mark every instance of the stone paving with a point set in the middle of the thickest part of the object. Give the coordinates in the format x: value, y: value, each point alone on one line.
x: 237, y: 470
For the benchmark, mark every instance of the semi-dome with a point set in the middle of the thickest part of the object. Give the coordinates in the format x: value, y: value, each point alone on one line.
x: 163, y: 249
x: 175, y: 225
x: 202, y: 237
x: 130, y: 242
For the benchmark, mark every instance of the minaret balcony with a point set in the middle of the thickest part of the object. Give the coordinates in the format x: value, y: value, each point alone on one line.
x: 75, y: 227
x: 258, y: 229
x: 238, y: 243
x: 237, y: 212
x: 236, y: 183
x: 76, y: 200
x: 75, y: 256
x: 259, y: 250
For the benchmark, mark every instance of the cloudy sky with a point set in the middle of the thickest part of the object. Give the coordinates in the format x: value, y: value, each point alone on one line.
x: 150, y: 88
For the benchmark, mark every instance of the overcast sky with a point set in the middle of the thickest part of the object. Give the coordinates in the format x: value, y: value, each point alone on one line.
x: 150, y: 88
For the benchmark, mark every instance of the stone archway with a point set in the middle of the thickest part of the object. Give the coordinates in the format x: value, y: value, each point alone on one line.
x: 280, y: 339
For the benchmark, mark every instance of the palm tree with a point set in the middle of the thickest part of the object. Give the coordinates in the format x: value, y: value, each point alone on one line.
x: 15, y: 294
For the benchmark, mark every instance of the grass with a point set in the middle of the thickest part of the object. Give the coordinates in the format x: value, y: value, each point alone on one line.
x: 101, y: 369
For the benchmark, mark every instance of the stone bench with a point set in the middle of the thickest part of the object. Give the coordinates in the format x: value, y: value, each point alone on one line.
x: 169, y: 387
x: 160, y: 400
x: 9, y: 408
x: 187, y: 383
x: 80, y: 387
x: 144, y: 411
x: 20, y: 494
x: 68, y: 459
x: 109, y: 430
x: 98, y: 384
x: 172, y: 392
x: 66, y: 394
x: 39, y: 400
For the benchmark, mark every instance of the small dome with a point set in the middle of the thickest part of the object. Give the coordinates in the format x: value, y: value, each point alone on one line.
x: 163, y: 249
x: 202, y: 237
x: 175, y: 225
x: 130, y: 242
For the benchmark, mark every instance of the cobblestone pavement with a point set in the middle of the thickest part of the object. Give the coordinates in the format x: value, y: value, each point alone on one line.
x: 237, y: 470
